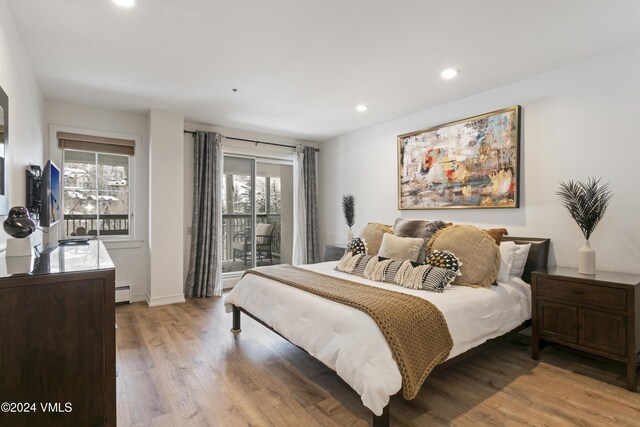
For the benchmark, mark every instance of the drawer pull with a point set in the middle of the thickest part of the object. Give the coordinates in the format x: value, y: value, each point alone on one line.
x: 577, y: 292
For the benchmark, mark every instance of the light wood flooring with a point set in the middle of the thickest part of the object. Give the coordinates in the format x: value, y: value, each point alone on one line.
x: 179, y: 365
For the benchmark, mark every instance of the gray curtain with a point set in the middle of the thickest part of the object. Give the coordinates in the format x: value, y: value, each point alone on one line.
x: 205, y: 262
x: 313, y: 242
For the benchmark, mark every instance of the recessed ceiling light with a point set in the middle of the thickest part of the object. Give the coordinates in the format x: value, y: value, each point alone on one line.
x: 125, y: 3
x: 449, y: 73
x: 361, y: 107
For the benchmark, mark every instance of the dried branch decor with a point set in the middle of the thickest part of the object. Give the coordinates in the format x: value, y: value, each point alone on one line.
x: 586, y: 202
x: 349, y: 209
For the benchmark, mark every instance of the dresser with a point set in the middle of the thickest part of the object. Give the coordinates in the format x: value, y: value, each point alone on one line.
x: 57, y: 338
x: 596, y: 314
x: 334, y: 251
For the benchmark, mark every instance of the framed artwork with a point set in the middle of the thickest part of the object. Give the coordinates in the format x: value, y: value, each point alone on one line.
x: 469, y: 163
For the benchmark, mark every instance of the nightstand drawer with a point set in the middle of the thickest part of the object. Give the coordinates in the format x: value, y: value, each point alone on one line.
x: 599, y: 296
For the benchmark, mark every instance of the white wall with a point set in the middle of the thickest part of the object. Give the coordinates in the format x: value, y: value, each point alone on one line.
x: 245, y: 148
x: 131, y: 256
x: 26, y: 138
x: 578, y: 121
x: 166, y: 224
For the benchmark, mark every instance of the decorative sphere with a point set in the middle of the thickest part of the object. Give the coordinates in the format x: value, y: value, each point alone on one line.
x: 19, y: 224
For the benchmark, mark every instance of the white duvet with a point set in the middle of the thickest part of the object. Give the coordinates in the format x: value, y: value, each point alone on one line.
x: 349, y: 341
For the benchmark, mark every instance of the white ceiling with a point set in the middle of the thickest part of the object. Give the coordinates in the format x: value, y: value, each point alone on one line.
x: 301, y: 66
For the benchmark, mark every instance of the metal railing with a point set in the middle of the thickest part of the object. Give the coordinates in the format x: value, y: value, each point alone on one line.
x: 106, y: 224
x: 233, y: 224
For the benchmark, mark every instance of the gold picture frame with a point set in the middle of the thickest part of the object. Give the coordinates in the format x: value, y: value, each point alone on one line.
x: 468, y: 163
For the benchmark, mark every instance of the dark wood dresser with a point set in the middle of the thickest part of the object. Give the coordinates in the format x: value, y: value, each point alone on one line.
x: 597, y: 314
x: 334, y: 251
x: 57, y: 338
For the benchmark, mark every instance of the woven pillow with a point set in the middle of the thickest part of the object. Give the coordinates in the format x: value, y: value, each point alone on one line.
x: 476, y: 250
x: 404, y: 273
x: 373, y: 234
x: 417, y: 228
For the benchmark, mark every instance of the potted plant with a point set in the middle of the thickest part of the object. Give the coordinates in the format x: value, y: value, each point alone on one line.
x: 586, y: 202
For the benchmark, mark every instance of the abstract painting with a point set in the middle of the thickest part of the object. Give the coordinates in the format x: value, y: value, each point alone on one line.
x: 470, y: 163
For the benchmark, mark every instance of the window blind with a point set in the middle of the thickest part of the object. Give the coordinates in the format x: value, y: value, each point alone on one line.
x: 100, y: 144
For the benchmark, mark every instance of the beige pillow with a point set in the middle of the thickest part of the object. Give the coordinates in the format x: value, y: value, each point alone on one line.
x: 417, y: 228
x: 400, y: 248
x: 372, y: 234
x: 477, y: 251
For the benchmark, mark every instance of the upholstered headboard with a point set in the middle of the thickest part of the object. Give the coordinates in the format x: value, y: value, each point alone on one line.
x: 538, y: 254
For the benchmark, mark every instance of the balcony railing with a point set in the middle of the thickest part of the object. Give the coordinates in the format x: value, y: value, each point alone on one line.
x: 241, y: 224
x: 105, y: 225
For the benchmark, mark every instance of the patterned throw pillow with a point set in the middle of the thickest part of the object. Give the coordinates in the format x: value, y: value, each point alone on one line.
x: 444, y: 259
x: 404, y: 273
x: 357, y: 246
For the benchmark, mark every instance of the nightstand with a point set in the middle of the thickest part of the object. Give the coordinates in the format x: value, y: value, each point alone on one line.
x: 334, y: 251
x: 596, y: 314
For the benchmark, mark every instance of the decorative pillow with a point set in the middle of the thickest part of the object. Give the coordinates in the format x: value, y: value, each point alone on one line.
x: 373, y: 233
x: 497, y: 234
x: 444, y: 259
x: 520, y: 259
x: 357, y: 246
x: 404, y: 273
x: 417, y: 228
x: 395, y: 247
x: 507, y: 252
x: 478, y: 253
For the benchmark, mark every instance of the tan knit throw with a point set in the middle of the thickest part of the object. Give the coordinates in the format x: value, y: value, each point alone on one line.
x: 414, y: 328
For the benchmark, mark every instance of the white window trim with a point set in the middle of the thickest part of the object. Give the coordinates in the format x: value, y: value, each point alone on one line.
x: 56, y: 155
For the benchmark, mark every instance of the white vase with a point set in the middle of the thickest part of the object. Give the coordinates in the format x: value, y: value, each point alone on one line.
x: 350, y: 235
x: 586, y: 259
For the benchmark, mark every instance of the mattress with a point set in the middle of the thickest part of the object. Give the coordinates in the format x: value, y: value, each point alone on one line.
x: 349, y: 341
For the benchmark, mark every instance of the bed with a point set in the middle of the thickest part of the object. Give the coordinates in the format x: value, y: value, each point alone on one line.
x: 349, y: 342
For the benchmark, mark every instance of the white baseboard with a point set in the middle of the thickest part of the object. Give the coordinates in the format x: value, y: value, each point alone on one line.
x: 230, y: 282
x: 139, y: 297
x: 171, y: 299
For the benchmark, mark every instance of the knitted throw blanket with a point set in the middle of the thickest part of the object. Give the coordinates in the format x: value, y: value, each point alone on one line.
x: 414, y: 328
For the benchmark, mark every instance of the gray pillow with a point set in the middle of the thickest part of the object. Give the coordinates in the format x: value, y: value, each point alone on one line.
x: 417, y: 228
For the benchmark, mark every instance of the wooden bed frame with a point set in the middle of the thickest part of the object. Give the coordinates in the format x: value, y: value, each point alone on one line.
x: 537, y: 259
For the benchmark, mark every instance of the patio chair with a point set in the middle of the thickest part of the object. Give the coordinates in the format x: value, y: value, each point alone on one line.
x: 242, y: 244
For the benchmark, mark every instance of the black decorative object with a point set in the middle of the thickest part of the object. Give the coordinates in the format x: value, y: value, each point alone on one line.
x: 349, y: 211
x: 586, y: 202
x: 18, y: 224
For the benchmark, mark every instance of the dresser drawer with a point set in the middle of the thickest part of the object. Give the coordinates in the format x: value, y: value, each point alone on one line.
x: 599, y: 296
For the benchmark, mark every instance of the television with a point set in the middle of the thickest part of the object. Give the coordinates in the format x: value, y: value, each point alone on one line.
x: 51, y: 195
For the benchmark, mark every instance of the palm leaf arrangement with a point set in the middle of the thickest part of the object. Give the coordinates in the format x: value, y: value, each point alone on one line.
x: 349, y: 209
x: 586, y: 202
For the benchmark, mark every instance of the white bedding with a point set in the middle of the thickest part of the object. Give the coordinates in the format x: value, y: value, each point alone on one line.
x: 349, y: 341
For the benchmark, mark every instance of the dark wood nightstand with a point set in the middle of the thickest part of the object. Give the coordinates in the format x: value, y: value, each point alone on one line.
x: 334, y: 251
x: 597, y: 314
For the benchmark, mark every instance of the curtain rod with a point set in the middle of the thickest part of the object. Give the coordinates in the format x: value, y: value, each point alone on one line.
x: 255, y: 142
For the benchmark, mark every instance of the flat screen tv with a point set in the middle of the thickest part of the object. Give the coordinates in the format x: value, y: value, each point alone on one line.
x: 50, y: 210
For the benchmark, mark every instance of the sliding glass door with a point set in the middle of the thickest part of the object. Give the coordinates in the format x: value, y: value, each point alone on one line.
x: 257, y: 213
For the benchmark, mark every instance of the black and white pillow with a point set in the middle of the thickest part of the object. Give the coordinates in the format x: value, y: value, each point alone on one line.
x: 407, y: 274
x: 437, y: 278
x: 357, y: 246
x: 444, y: 259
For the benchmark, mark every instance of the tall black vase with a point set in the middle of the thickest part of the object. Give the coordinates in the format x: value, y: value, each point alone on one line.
x: 19, y: 224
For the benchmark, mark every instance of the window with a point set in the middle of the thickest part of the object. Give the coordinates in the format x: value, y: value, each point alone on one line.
x: 96, y: 185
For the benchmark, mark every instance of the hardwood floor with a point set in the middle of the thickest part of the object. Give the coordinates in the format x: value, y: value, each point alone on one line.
x: 179, y: 365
